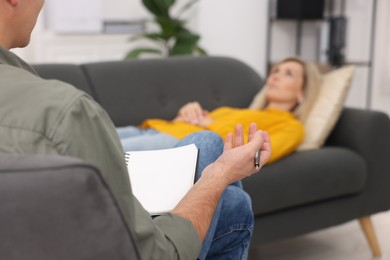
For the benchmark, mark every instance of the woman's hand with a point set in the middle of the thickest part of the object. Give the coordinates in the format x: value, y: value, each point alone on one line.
x: 205, y: 122
x: 192, y: 113
x: 237, y: 160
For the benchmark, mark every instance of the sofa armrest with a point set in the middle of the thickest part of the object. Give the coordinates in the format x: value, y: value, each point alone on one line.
x: 368, y: 134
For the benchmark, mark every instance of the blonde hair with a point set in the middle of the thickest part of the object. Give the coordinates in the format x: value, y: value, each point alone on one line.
x: 312, y: 80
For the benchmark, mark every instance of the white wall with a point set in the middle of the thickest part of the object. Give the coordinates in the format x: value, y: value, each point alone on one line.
x: 381, y: 77
x: 359, y: 23
x: 235, y: 28
x: 124, y: 9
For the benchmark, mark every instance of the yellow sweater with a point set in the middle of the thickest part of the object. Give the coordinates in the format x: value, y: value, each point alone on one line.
x: 285, y: 131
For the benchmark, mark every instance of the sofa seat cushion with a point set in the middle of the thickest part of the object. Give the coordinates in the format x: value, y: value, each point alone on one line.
x: 313, y: 176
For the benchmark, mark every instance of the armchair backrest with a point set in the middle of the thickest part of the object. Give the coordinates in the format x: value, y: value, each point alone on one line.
x: 55, y: 207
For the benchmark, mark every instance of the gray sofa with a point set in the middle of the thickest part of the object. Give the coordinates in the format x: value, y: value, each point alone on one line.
x: 347, y: 179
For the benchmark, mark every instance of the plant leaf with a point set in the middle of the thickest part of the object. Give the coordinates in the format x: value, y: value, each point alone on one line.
x: 187, y: 37
x: 186, y: 43
x: 181, y: 50
x: 139, y: 51
x: 201, y: 51
x: 159, y: 7
x: 169, y: 27
x: 186, y: 7
x: 152, y: 7
x: 165, y: 4
x: 155, y: 37
x: 173, y: 37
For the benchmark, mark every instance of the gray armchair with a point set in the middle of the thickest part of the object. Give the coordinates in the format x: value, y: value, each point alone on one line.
x: 56, y: 207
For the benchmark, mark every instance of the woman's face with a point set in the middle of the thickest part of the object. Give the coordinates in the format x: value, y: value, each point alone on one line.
x: 285, y: 83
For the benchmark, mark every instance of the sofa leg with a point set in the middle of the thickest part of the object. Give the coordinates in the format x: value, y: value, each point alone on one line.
x: 369, y: 232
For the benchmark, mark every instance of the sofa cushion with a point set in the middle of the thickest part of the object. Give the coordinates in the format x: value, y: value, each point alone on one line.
x: 317, y: 175
x: 132, y: 91
x: 327, y: 109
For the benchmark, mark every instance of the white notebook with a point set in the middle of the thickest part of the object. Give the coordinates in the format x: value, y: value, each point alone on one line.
x: 160, y: 178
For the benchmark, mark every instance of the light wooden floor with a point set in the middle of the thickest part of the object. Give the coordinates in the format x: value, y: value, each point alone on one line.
x: 342, y: 242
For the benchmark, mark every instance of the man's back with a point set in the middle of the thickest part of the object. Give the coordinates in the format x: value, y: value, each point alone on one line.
x: 31, y: 109
x: 50, y: 117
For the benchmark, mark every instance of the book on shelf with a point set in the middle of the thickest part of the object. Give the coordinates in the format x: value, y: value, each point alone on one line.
x: 160, y: 178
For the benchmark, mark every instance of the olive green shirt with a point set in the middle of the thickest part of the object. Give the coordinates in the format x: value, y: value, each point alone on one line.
x: 40, y: 116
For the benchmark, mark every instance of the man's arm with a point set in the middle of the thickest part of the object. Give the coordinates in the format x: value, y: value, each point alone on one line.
x: 234, y: 164
x: 85, y: 131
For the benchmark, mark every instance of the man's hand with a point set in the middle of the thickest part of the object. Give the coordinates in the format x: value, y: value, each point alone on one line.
x: 237, y: 160
x: 235, y: 163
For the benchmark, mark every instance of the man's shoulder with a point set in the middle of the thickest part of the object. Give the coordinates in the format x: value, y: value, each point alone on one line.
x: 27, y: 99
x: 29, y: 86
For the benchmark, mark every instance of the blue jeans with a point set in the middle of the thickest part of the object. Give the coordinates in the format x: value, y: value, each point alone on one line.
x: 231, y: 228
x: 139, y: 139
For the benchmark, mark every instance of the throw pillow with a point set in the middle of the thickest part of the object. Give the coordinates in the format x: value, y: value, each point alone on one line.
x: 327, y: 108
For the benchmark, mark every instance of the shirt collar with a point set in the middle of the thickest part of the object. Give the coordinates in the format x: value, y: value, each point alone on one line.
x: 9, y: 58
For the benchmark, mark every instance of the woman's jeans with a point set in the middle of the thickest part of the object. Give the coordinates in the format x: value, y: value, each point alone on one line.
x: 140, y: 139
x: 231, y: 228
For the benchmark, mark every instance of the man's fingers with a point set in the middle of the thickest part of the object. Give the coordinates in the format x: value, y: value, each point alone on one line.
x: 266, y: 150
x: 228, y: 142
x: 252, y: 131
x: 238, y: 136
x: 257, y: 139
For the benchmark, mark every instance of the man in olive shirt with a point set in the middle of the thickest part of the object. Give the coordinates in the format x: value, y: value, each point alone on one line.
x: 50, y: 117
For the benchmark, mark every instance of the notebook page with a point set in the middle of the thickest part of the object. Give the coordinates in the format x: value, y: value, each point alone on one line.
x: 160, y: 178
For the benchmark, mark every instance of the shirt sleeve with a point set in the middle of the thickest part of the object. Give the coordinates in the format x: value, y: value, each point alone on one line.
x: 85, y: 131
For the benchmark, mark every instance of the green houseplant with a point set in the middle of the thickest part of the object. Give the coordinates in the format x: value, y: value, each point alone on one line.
x: 173, y: 38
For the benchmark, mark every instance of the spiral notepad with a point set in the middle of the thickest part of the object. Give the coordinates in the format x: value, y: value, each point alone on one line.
x: 160, y: 178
